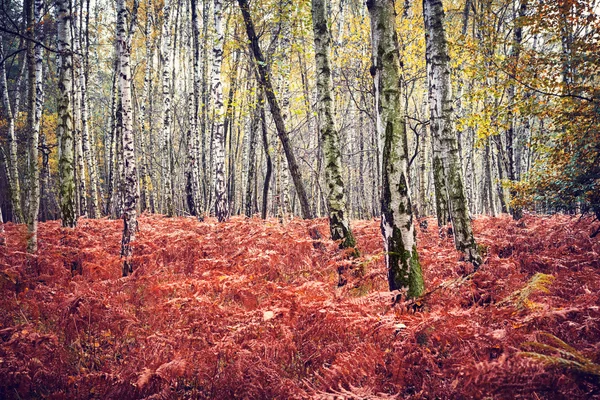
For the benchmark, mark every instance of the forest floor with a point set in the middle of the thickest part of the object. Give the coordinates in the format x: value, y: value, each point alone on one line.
x: 253, y: 309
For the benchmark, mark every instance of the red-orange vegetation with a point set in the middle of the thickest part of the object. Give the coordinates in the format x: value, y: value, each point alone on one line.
x: 254, y: 309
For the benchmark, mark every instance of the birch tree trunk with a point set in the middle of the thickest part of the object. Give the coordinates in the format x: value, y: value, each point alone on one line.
x: 402, y: 260
x: 193, y: 174
x: 266, y: 83
x: 87, y: 143
x: 36, y: 101
x: 13, y: 175
x: 129, y: 161
x: 252, y: 143
x: 336, y: 198
x: 166, y: 132
x: 221, y: 203
x: 440, y: 105
x: 148, y: 200
x: 65, y: 117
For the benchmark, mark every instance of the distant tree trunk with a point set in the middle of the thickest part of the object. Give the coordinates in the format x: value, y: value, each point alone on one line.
x: 88, y: 149
x: 129, y: 161
x: 2, y: 234
x: 440, y: 103
x: 192, y: 186
x: 112, y: 140
x: 166, y: 133
x: 36, y: 102
x: 252, y: 143
x: 80, y: 176
x: 13, y: 175
x: 147, y: 194
x: 266, y: 83
x: 511, y: 136
x: 65, y: 117
x: 269, y: 170
x: 489, y: 192
x: 336, y: 199
x: 402, y: 260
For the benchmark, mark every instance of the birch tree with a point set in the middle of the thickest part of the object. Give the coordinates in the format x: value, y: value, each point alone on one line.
x: 166, y: 129
x: 129, y: 162
x: 13, y: 175
x: 444, y: 137
x: 221, y: 203
x: 65, y: 116
x: 402, y: 260
x: 267, y: 85
x: 36, y: 102
x: 336, y: 198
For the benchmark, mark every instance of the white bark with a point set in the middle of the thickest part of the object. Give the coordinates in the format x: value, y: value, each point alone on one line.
x: 221, y: 203
x: 65, y: 117
x: 444, y: 137
x: 13, y: 175
x: 129, y: 161
x: 166, y: 129
x: 402, y: 260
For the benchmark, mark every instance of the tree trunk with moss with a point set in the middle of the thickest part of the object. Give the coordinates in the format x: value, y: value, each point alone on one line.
x: 440, y: 105
x: 65, y: 117
x: 336, y: 199
x: 402, y: 260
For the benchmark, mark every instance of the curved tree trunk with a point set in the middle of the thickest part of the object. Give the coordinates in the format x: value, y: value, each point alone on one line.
x: 440, y: 104
x: 336, y: 198
x: 402, y: 260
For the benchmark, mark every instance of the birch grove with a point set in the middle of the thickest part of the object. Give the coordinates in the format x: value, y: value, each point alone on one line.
x: 418, y: 114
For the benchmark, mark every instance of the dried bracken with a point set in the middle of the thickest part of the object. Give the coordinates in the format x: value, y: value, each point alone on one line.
x: 253, y: 309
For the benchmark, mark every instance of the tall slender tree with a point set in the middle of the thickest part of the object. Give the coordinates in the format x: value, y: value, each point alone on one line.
x: 444, y: 137
x: 130, y: 192
x: 221, y: 203
x: 402, y: 260
x: 65, y: 116
x: 166, y: 128
x: 36, y: 102
x: 336, y: 198
x: 11, y: 113
x: 266, y: 82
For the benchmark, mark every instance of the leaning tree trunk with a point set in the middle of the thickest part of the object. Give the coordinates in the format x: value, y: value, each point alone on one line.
x: 221, y: 204
x: 266, y: 83
x: 13, y: 175
x: 440, y: 104
x: 402, y: 260
x: 65, y: 117
x: 129, y: 162
x: 336, y: 199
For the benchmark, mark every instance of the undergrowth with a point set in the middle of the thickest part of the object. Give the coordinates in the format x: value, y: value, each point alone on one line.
x: 254, y: 309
